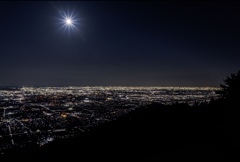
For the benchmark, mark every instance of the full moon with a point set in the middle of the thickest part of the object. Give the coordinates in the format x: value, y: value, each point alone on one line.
x: 68, y: 21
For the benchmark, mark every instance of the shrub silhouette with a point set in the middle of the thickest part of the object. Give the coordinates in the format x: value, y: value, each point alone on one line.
x: 230, y: 88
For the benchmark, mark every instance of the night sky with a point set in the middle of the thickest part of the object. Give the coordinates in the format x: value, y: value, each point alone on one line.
x: 119, y: 43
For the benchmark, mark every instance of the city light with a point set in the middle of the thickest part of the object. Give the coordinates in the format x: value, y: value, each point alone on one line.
x: 64, y: 112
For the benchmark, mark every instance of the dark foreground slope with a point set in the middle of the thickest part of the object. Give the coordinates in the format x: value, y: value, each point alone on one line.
x: 156, y: 132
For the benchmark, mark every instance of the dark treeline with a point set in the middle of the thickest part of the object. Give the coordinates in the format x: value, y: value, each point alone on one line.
x: 202, y: 132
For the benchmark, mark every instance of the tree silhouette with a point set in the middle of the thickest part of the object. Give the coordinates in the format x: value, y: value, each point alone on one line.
x: 230, y: 88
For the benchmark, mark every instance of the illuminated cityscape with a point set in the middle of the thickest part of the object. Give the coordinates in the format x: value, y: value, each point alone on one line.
x: 119, y: 80
x: 31, y: 115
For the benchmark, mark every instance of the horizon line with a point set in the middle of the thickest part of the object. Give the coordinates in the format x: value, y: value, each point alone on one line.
x: 117, y: 86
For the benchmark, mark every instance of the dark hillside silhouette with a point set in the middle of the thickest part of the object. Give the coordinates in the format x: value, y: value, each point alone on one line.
x: 203, y: 132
